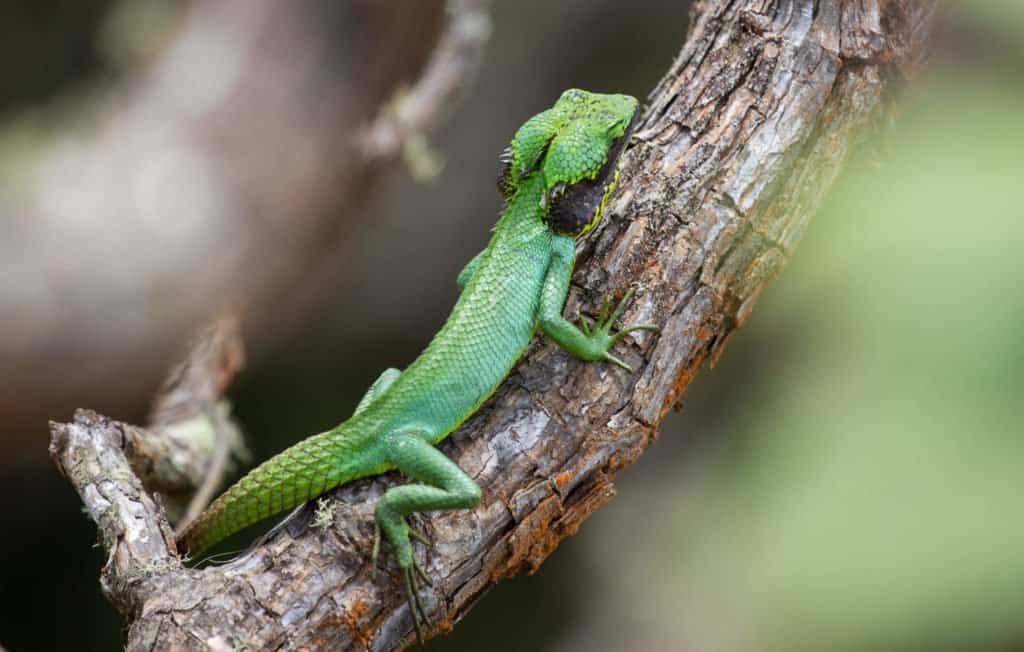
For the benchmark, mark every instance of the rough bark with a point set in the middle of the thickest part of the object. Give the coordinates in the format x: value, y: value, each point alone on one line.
x: 740, y: 141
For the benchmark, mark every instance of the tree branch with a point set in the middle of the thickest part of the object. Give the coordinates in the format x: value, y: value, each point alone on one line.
x: 741, y: 140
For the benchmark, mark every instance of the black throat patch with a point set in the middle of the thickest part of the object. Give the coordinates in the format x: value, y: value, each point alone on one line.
x: 571, y: 208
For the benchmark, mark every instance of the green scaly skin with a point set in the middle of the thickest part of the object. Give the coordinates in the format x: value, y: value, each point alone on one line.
x: 558, y: 171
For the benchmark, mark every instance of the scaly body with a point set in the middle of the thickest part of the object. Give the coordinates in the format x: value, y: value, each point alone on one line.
x: 557, y: 173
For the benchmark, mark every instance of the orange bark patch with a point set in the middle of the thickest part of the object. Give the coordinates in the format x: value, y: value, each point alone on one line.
x: 361, y: 636
x: 540, y: 532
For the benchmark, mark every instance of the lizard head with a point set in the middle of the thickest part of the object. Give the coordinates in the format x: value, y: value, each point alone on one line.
x: 574, y: 147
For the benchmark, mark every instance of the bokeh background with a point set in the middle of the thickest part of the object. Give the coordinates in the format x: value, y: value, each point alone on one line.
x: 849, y: 476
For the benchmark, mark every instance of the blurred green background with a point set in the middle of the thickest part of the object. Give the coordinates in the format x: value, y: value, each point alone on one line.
x: 850, y: 475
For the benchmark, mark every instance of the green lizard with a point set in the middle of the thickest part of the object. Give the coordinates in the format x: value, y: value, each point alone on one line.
x: 556, y: 175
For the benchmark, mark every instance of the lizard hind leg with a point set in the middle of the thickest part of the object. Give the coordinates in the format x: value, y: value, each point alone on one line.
x: 443, y: 486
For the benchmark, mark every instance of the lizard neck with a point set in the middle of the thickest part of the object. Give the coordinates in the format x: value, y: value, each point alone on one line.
x: 522, y: 213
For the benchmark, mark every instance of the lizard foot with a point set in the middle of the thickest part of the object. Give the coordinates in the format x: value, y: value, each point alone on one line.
x: 410, y: 575
x: 411, y: 571
x: 601, y: 335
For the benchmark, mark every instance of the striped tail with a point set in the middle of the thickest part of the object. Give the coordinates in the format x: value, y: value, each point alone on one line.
x: 304, y: 471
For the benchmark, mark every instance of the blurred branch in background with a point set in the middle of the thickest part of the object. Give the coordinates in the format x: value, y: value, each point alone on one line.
x: 742, y: 138
x: 191, y: 410
x: 214, y: 178
x: 445, y: 80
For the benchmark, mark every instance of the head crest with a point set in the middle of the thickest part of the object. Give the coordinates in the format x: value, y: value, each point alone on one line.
x: 573, y: 150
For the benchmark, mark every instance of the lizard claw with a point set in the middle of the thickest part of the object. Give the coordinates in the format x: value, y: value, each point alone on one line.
x: 608, y: 357
x: 585, y: 326
x: 640, y: 327
x: 412, y: 596
x: 423, y: 574
x: 376, y: 550
x: 419, y: 536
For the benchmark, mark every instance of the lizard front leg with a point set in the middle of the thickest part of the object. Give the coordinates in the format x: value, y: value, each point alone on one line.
x: 588, y: 343
x: 445, y: 486
x: 383, y: 381
x: 467, y: 272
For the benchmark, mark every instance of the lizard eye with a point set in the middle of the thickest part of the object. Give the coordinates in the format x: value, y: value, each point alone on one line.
x: 505, y: 185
